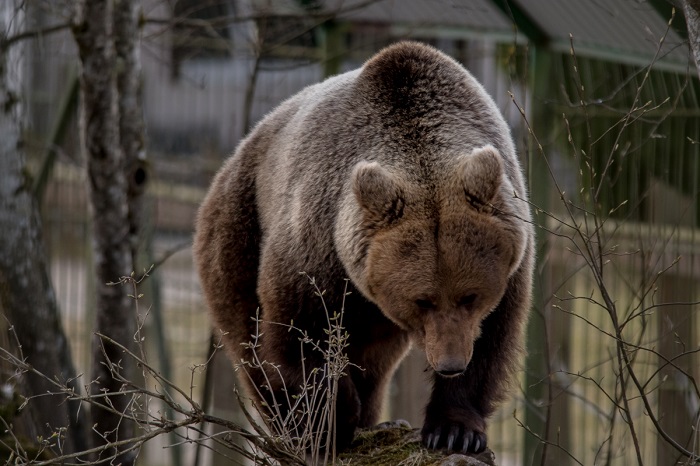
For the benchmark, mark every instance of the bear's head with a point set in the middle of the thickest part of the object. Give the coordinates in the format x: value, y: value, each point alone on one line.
x: 436, y: 260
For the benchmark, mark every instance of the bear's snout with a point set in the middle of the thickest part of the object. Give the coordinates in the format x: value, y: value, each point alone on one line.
x: 448, y: 347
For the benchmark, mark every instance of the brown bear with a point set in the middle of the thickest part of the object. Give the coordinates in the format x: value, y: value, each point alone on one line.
x: 402, y: 177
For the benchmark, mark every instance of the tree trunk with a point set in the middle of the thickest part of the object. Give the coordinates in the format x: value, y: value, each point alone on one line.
x: 27, y: 297
x: 106, y: 166
x: 132, y: 132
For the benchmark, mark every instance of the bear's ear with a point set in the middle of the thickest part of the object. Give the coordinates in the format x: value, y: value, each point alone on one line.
x: 481, y: 174
x: 378, y: 193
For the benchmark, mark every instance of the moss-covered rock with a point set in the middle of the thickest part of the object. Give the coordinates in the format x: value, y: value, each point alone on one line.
x: 397, y: 444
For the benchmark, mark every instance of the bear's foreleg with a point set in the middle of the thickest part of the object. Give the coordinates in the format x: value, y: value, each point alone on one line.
x: 375, y: 359
x: 296, y: 396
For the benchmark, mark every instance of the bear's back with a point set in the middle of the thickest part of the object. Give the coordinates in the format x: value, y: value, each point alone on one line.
x: 410, y: 107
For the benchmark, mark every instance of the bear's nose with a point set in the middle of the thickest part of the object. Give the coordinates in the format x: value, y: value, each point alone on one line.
x: 450, y: 367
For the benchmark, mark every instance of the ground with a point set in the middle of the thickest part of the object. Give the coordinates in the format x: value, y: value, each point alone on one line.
x: 397, y: 444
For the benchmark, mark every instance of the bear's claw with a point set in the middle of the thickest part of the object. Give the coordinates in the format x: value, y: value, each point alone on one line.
x: 433, y: 439
x: 458, y: 439
x: 451, y: 438
x: 468, y: 436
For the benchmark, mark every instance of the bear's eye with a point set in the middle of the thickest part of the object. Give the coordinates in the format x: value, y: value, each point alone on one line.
x: 425, y: 304
x: 466, y: 301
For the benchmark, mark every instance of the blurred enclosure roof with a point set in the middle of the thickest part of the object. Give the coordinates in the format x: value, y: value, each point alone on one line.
x: 626, y: 31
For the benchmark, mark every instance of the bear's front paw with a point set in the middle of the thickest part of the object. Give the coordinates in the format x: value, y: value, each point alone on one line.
x: 463, y: 433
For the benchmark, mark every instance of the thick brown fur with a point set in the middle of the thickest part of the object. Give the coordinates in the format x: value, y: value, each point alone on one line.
x: 402, y: 177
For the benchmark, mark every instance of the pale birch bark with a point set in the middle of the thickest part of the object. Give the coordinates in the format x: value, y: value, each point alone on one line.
x: 27, y: 298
